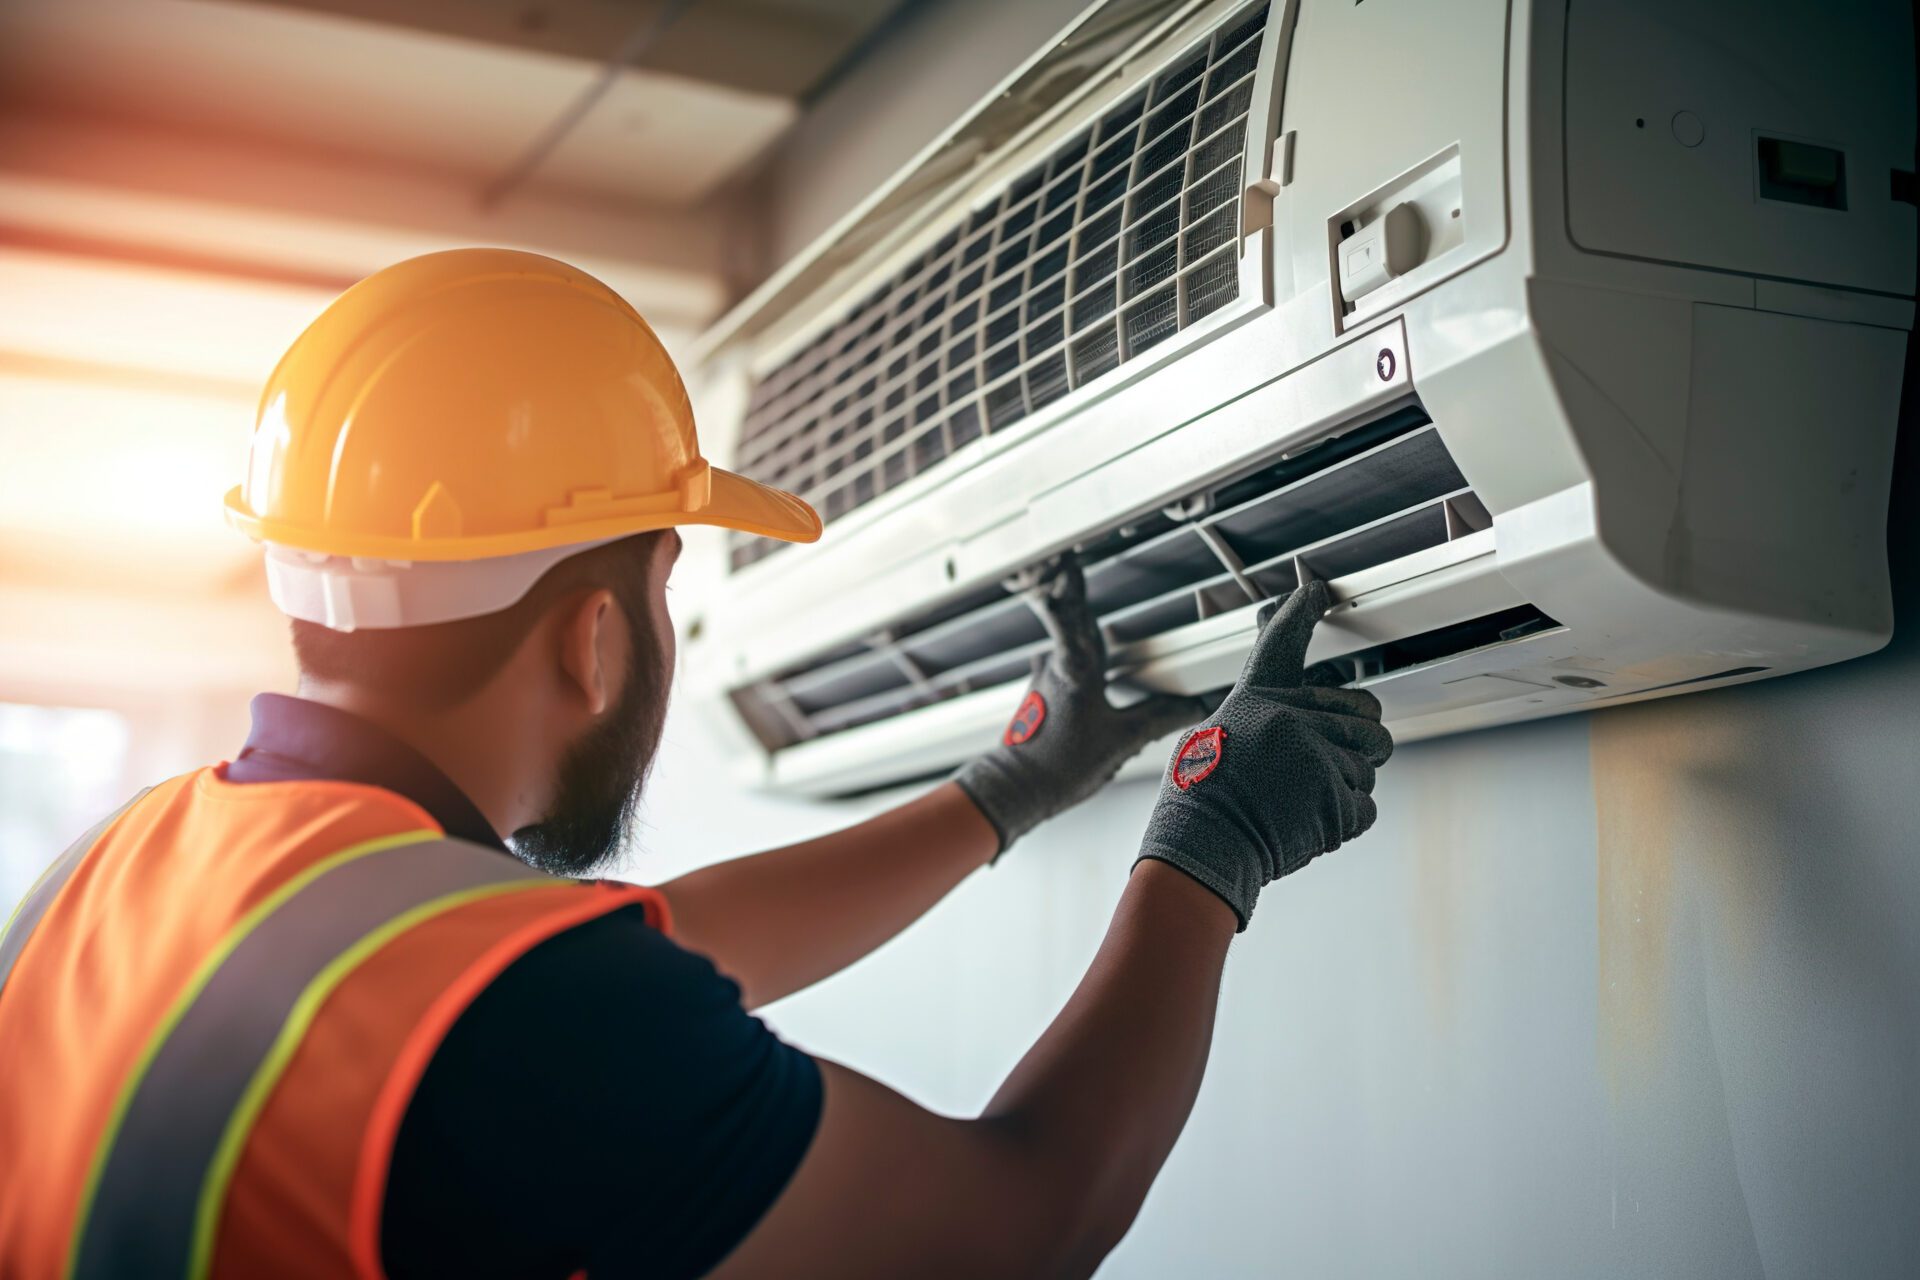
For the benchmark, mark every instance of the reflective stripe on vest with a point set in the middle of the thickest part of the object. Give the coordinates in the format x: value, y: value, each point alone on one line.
x: 27, y: 914
x: 189, y: 1079
x: 161, y: 1173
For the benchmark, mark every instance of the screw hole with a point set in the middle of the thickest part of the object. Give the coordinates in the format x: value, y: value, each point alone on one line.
x: 1455, y: 213
x: 952, y: 571
x: 1639, y: 122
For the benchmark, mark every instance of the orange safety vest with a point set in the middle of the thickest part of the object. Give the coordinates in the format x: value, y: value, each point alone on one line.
x: 214, y: 1010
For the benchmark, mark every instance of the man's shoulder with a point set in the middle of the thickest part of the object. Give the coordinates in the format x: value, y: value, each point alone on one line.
x: 617, y: 956
x: 617, y: 1000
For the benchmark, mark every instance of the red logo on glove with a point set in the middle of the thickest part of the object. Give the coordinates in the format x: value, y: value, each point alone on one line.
x: 1199, y: 756
x: 1026, y: 721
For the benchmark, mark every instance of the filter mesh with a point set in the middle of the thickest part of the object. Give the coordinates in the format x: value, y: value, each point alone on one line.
x: 1125, y: 235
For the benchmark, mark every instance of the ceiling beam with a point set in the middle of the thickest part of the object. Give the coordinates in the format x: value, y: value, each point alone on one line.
x: 782, y: 48
x: 165, y: 198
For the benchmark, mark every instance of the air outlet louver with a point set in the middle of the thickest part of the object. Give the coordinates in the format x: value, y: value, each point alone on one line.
x: 1127, y: 234
x: 1379, y: 494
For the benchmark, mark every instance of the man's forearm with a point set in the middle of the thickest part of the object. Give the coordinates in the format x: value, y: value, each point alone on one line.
x: 1103, y: 1094
x: 779, y: 921
x: 1046, y: 1181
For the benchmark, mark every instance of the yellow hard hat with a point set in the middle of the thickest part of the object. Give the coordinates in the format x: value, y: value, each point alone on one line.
x: 479, y: 405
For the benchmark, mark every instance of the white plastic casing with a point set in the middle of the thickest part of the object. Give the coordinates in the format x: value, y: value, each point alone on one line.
x: 1676, y: 397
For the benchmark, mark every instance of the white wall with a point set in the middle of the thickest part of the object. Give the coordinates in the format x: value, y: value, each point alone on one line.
x: 1631, y: 993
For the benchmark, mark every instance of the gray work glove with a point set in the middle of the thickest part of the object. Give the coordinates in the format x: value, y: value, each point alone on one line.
x: 1065, y: 740
x: 1280, y: 774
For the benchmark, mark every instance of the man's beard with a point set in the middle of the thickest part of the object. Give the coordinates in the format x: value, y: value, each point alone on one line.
x: 602, y: 774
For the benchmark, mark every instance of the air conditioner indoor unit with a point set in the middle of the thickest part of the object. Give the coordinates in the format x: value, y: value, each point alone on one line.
x: 1563, y: 338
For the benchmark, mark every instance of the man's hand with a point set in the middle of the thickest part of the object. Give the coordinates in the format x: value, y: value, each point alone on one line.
x: 1280, y: 774
x: 1065, y: 740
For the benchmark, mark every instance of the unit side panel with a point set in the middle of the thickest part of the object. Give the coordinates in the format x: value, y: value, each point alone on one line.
x: 1765, y: 140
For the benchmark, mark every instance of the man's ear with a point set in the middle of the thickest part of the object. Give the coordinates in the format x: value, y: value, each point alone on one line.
x: 593, y: 638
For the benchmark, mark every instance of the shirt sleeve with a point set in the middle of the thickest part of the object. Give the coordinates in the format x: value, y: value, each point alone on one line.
x: 605, y: 1104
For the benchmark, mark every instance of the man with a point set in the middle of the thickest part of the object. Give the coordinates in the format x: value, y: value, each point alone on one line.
x: 304, y: 1014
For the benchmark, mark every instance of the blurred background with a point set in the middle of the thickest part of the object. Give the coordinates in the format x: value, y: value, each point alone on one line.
x: 184, y: 184
x: 1627, y: 993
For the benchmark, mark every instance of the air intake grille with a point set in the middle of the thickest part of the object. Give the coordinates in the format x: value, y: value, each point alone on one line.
x: 1124, y: 236
x: 1369, y: 498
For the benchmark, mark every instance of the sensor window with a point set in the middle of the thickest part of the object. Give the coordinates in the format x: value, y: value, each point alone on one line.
x: 1802, y: 173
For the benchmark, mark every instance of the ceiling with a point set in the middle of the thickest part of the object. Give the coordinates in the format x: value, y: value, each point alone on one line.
x: 185, y: 183
x: 785, y: 48
x: 462, y: 87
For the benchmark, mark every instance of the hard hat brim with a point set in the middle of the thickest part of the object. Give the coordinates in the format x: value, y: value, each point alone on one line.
x: 752, y: 507
x: 734, y: 502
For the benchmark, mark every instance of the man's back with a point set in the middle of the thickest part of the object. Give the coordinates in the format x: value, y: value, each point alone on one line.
x: 403, y: 1099
x: 135, y: 925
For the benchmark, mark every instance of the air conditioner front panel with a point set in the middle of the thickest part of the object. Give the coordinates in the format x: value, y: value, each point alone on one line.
x: 1124, y: 455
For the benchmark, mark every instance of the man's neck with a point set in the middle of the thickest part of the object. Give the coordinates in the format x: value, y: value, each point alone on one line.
x: 465, y: 742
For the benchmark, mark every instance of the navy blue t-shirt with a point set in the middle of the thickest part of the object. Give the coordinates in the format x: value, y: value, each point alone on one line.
x: 605, y: 1105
